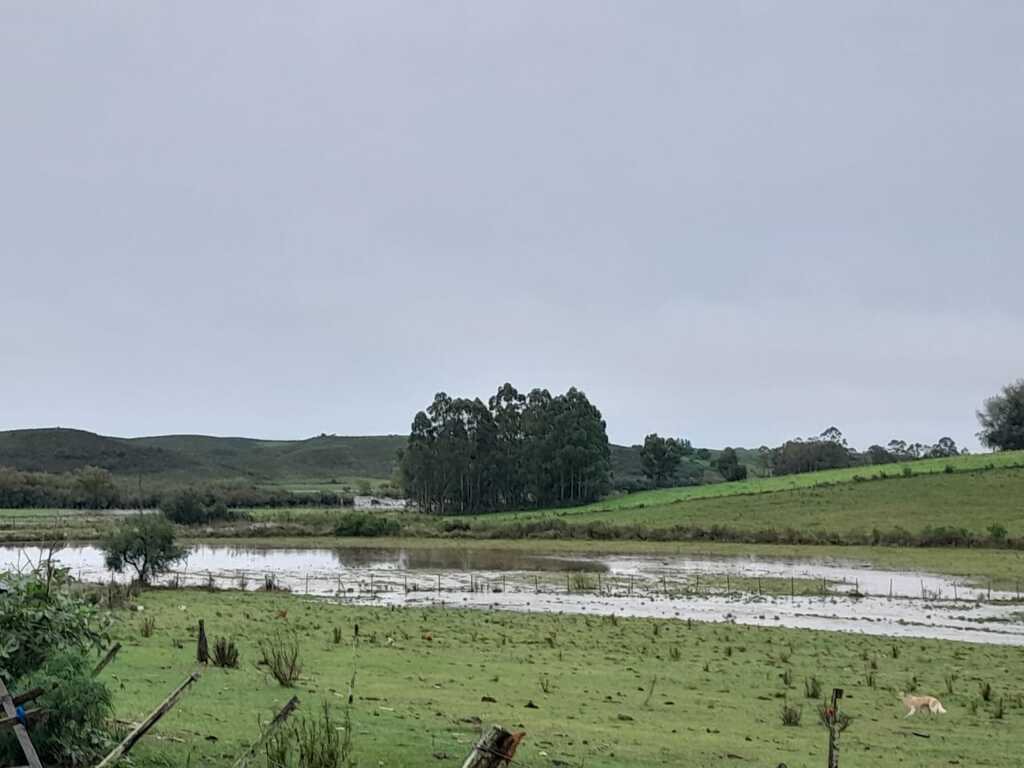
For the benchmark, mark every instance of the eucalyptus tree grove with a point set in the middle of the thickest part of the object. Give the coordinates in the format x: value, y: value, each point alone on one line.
x: 515, y: 451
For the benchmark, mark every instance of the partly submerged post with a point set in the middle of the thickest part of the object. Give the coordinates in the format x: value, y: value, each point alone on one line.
x: 495, y: 749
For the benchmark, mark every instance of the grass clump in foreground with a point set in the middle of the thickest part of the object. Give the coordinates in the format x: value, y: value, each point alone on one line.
x: 429, y: 679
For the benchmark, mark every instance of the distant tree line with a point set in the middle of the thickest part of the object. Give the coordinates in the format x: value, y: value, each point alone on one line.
x: 95, y: 488
x: 668, y: 461
x: 516, y: 451
x: 829, y: 450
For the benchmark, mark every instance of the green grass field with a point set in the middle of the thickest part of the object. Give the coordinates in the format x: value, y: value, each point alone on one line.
x: 758, y: 486
x: 607, y: 692
x: 974, y: 500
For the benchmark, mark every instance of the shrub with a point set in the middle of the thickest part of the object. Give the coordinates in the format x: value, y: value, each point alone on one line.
x: 225, y: 653
x: 47, y: 636
x: 281, y: 656
x: 39, y: 619
x: 791, y: 715
x: 366, y: 524
x: 148, y: 625
x: 190, y: 507
x: 812, y: 688
x: 144, y: 542
x: 312, y: 742
x: 986, y: 691
x: 74, y: 732
x: 998, y: 533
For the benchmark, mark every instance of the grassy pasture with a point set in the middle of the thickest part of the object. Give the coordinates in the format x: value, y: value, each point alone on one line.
x: 608, y: 692
x: 974, y: 500
x: 757, y: 486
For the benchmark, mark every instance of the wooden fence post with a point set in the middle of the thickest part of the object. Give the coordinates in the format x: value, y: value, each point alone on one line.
x: 132, y: 738
x: 202, y: 648
x: 832, y: 721
x: 495, y: 749
x: 274, y: 724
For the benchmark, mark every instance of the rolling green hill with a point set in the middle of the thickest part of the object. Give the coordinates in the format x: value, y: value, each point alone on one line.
x: 199, y: 457
x: 185, y: 458
x: 969, y: 492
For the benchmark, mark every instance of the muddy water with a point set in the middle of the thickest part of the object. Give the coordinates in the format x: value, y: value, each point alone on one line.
x: 660, y: 586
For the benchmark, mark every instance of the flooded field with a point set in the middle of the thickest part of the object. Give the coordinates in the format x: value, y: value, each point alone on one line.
x: 833, y: 595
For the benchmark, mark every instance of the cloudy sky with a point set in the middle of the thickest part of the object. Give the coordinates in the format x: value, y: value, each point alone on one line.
x: 734, y: 221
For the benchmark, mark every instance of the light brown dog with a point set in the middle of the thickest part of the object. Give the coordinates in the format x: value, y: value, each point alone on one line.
x: 915, y: 704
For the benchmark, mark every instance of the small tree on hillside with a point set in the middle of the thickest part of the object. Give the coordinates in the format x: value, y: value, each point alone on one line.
x: 143, y: 542
x: 729, y: 466
x: 660, y: 458
x: 1002, y: 419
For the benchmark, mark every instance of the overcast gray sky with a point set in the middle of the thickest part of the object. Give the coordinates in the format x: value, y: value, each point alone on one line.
x: 734, y: 221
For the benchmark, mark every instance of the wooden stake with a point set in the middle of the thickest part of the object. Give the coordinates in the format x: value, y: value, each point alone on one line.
x: 202, y: 647
x: 132, y: 738
x: 106, y: 659
x: 274, y: 724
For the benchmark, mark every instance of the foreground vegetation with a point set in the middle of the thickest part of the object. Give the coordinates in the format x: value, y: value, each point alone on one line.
x: 604, y: 692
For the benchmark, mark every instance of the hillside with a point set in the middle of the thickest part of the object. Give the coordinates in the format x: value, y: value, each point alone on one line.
x: 176, y: 457
x: 936, y: 492
x: 62, y: 450
x: 198, y: 457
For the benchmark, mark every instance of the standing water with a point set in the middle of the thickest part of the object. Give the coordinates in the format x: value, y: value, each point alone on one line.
x: 852, y: 596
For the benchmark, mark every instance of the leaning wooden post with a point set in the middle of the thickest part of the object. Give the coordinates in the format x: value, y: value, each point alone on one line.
x: 274, y: 724
x: 832, y: 722
x: 495, y: 749
x: 132, y: 738
x: 20, y: 732
x: 106, y: 659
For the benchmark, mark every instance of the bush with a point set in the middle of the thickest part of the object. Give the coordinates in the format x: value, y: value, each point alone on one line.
x: 144, y: 542
x: 39, y: 618
x: 281, y: 656
x: 791, y: 715
x: 74, y: 731
x: 312, y: 742
x: 812, y: 688
x: 998, y: 533
x: 47, y: 636
x: 366, y: 524
x: 190, y: 507
x: 225, y: 653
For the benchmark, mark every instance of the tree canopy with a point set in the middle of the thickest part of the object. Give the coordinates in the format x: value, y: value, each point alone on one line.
x: 516, y: 451
x: 661, y: 458
x: 1002, y: 419
x: 144, y: 543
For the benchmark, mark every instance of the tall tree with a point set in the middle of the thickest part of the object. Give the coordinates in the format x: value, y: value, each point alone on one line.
x: 729, y: 466
x: 660, y: 458
x: 463, y: 456
x: 1002, y: 419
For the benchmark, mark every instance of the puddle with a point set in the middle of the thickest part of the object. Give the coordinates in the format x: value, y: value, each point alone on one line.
x: 655, y: 586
